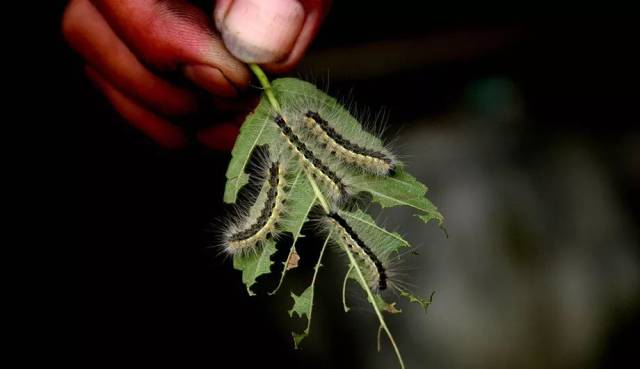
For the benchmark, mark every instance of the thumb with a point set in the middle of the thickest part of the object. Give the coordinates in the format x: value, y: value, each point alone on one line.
x: 173, y: 35
x: 272, y: 32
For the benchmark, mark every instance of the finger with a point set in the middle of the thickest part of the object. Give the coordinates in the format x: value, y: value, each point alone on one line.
x: 316, y: 11
x: 271, y: 32
x: 90, y: 35
x: 219, y: 137
x: 240, y: 106
x: 175, y: 35
x: 161, y: 131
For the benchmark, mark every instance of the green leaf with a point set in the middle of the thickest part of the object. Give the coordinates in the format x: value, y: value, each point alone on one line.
x: 259, y: 263
x: 375, y: 303
x: 378, y: 301
x: 381, y: 241
x: 423, y: 302
x: 256, y: 130
x: 300, y: 201
x: 389, y: 307
x: 255, y: 265
x: 372, y: 234
x: 401, y: 189
x: 298, y: 337
x: 303, y: 304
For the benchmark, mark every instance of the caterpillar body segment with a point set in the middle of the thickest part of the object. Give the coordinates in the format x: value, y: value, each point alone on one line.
x: 318, y: 168
x: 379, y: 162
x: 341, y: 136
x: 263, y: 219
x: 373, y: 265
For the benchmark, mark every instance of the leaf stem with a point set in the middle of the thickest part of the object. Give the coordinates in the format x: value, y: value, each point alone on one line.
x: 268, y: 91
x: 292, y: 249
x: 319, y: 195
x: 264, y: 82
x: 377, y: 227
x: 296, y: 235
x: 383, y: 324
x: 313, y: 282
x: 344, y: 290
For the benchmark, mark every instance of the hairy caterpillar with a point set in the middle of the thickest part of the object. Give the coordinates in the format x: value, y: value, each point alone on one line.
x: 340, y: 136
x: 376, y: 271
x: 376, y: 162
x: 262, y: 220
x: 338, y: 189
x: 330, y: 158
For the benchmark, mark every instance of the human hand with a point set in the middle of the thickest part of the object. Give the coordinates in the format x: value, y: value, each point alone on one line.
x: 153, y: 59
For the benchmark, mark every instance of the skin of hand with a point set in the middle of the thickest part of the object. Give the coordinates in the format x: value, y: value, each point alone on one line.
x: 161, y: 63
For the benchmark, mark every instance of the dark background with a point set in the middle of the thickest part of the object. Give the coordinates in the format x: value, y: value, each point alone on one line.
x: 127, y: 275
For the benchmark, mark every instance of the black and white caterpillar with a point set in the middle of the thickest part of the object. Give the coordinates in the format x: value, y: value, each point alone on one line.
x: 376, y: 161
x: 372, y: 261
x: 336, y: 188
x: 263, y: 219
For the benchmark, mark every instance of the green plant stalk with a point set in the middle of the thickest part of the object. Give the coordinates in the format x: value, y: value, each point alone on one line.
x: 313, y: 280
x: 284, y: 271
x: 268, y: 91
x: 344, y: 290
x: 372, y: 300
x: 319, y: 195
x: 291, y: 249
x: 264, y: 81
x: 373, y: 225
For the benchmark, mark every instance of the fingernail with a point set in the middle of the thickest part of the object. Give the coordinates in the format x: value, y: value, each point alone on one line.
x: 211, y: 79
x: 261, y: 31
